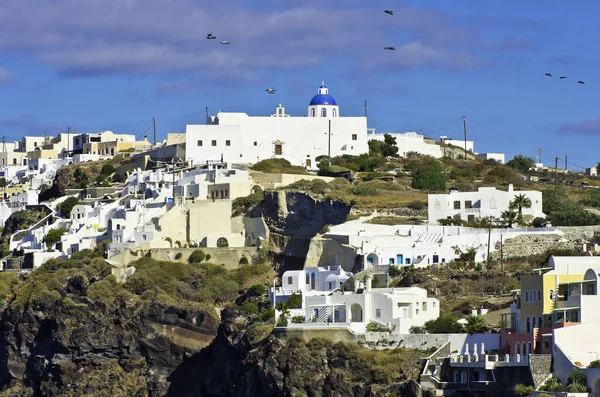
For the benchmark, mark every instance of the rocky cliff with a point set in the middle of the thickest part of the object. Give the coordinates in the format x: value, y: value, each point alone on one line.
x: 294, y: 218
x: 234, y: 366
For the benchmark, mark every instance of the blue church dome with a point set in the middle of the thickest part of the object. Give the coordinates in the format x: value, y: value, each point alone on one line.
x: 323, y: 99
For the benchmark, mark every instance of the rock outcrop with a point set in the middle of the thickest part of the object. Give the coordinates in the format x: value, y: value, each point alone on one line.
x: 233, y: 366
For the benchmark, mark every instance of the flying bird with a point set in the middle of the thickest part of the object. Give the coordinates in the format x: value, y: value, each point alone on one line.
x: 389, y: 48
x: 580, y: 82
x: 210, y: 36
x: 563, y: 77
x: 389, y: 12
x: 224, y: 42
x: 548, y: 74
x: 271, y: 90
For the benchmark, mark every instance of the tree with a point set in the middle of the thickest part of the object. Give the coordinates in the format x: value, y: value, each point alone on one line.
x: 2, y: 182
x: 54, y: 236
x: 475, y: 325
x: 598, y: 168
x: 324, y: 164
x: 508, y: 217
x: 428, y: 177
x: 521, y: 163
x: 444, y: 325
x: 67, y: 206
x: 197, y: 256
x: 385, y: 148
x: 518, y: 203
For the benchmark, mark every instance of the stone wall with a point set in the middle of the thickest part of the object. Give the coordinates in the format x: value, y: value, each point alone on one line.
x: 527, y: 245
x: 540, y: 366
x: 229, y: 257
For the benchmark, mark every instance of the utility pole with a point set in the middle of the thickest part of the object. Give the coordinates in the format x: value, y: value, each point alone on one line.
x: 207, y: 115
x: 154, y: 125
x: 489, y: 241
x: 465, y: 133
x: 501, y: 253
x: 68, y: 140
x: 365, y: 108
x: 555, y: 171
x: 44, y: 137
x: 540, y: 156
x: 444, y: 149
x: 329, y: 141
x: 4, y: 144
x: 566, y: 163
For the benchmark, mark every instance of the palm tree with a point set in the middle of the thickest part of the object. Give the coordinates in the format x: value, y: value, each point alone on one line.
x: 509, y: 217
x: 518, y: 203
x: 475, y: 325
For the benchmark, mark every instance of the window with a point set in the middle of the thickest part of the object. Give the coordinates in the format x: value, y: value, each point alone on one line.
x: 546, y: 344
x: 14, y: 161
x: 408, y: 261
x: 468, y: 204
x: 539, y: 296
x: 323, y: 112
x: 290, y: 280
x: 434, y: 305
x: 144, y: 237
x: 417, y: 311
x: 77, y: 141
x: 330, y: 286
x: 436, y: 259
x: 227, y: 143
x: 457, y: 205
x: 424, y: 306
x: 334, y: 112
x: 214, y: 143
x: 377, y: 313
x: 470, y: 218
x: 313, y: 112
x: 307, y: 278
x: 354, y: 137
x: 255, y: 143
x: 199, y: 143
x: 391, y: 261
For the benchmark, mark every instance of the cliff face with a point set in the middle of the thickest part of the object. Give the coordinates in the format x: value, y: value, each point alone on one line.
x: 234, y: 366
x: 298, y: 214
x: 80, y: 347
x: 294, y: 218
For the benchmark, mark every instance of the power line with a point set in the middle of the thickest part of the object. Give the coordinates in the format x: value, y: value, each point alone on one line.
x: 446, y: 126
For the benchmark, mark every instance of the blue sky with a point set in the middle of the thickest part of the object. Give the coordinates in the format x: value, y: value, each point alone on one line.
x: 114, y: 64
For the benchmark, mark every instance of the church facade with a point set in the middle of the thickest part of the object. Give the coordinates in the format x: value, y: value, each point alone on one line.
x: 239, y: 138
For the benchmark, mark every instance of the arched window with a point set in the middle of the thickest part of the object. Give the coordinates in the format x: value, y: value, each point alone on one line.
x: 546, y: 344
x: 313, y: 281
x: 528, y: 324
x: 534, y: 322
x: 526, y: 296
x: 334, y: 112
x: 551, y: 295
x: 539, y: 296
x: 307, y: 278
x: 540, y: 322
x: 517, y: 347
x: 313, y: 112
x: 323, y: 112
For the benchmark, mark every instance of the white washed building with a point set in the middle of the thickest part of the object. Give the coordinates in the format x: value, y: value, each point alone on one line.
x: 239, y: 138
x: 411, y: 142
x: 486, y: 201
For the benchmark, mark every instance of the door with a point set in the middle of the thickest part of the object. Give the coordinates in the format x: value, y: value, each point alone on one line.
x: 278, y: 148
x: 308, y: 163
x: 399, y: 259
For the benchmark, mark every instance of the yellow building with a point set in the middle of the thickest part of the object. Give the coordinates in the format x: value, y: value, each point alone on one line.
x: 13, y: 190
x: 528, y: 326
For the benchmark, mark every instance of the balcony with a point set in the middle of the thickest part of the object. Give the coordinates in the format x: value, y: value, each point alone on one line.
x: 488, y: 361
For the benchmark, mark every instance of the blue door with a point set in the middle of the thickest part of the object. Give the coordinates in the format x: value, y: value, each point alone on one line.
x: 400, y: 259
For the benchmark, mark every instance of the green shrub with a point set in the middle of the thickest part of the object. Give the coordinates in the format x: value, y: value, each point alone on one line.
x: 268, y: 314
x: 363, y: 190
x: 241, y: 205
x: 594, y: 364
x: 249, y: 308
x: 577, y: 388
x: 538, y: 221
x: 417, y: 205
x: 394, y: 271
x: 278, y: 166
x: 282, y: 321
x: 576, y: 376
x: 54, y: 236
x: 298, y: 320
x: 197, y: 256
x: 522, y: 390
x: 243, y: 261
x: 374, y: 327
x: 257, y: 290
x: 66, y: 206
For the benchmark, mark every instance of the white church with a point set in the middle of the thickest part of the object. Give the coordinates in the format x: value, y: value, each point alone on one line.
x: 239, y: 138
